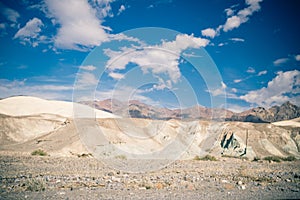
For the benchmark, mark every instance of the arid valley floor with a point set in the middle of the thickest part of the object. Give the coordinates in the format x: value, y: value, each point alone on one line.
x: 62, y: 168
x: 31, y: 177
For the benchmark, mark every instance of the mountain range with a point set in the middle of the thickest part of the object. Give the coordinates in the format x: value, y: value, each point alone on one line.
x: 137, y: 109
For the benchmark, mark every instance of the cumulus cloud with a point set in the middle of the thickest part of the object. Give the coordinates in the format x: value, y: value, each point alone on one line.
x: 102, y: 7
x: 297, y: 57
x: 284, y: 87
x: 219, y: 91
x: 234, y: 21
x: 162, y: 58
x: 280, y: 61
x: 209, y: 32
x: 30, y: 33
x: 231, y: 23
x: 250, y: 70
x: 242, y: 16
x: 31, y: 29
x: 79, y: 26
x: 121, y: 9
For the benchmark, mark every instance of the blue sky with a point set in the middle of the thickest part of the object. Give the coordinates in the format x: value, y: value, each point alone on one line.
x: 47, y: 47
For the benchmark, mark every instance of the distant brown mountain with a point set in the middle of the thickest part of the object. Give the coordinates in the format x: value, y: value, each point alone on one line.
x: 276, y: 113
x: 137, y: 109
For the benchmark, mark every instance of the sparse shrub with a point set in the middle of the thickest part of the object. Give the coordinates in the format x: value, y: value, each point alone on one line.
x: 84, y: 155
x: 256, y: 158
x: 196, y: 158
x: 205, y: 158
x: 289, y: 158
x: 122, y: 157
x: 35, y: 185
x: 273, y: 158
x: 148, y: 187
x: 39, y: 152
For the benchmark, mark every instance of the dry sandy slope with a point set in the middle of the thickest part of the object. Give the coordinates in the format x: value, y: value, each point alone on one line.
x: 29, y: 123
x: 62, y: 138
x: 290, y: 123
x: 26, y: 105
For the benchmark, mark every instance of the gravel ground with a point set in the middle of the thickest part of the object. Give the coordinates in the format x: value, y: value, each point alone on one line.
x: 34, y: 177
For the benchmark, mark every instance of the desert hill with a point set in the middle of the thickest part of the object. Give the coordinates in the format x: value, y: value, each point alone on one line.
x: 29, y: 123
x: 26, y: 105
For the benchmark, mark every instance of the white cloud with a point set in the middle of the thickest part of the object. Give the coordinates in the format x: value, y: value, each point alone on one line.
x: 125, y: 93
x: 219, y: 91
x: 86, y: 79
x: 229, y: 12
x: 297, y: 57
x: 162, y: 58
x: 284, y: 87
x: 47, y: 91
x: 238, y: 80
x: 121, y: 36
x: 2, y: 26
x: 88, y: 67
x: 236, y: 108
x: 250, y: 70
x: 2, y: 29
x: 116, y: 76
x: 31, y: 29
x: 221, y: 44
x: 242, y: 16
x: 209, y: 32
x: 103, y: 7
x: 9, y: 13
x: 262, y: 73
x: 183, y: 42
x: 121, y: 9
x: 231, y: 23
x: 237, y: 39
x: 234, y: 90
x: 79, y: 27
x: 30, y: 33
x: 280, y: 61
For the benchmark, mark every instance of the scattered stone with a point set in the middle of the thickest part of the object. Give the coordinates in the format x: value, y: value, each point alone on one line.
x: 228, y: 186
x: 110, y: 174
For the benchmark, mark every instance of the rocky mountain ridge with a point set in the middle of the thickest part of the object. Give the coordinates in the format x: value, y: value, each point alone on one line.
x: 137, y: 109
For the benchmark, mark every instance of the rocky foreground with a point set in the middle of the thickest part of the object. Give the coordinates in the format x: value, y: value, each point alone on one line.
x: 23, y: 176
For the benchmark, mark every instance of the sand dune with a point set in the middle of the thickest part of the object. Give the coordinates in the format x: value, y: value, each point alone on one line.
x: 26, y: 105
